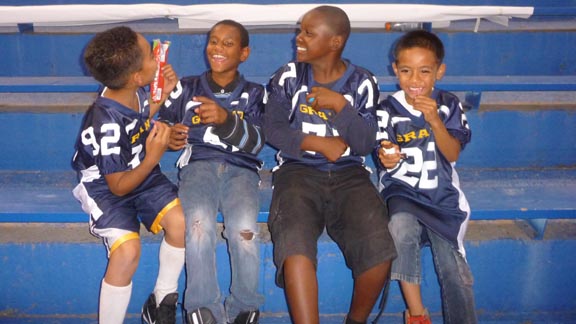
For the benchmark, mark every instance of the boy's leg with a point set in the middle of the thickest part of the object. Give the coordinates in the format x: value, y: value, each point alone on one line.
x: 296, y: 221
x: 159, y: 208
x: 122, y: 263
x: 406, y: 232
x: 455, y: 280
x: 113, y: 303
x: 116, y: 287
x: 240, y: 207
x: 199, y: 188
x: 367, y: 287
x: 171, y: 254
x: 358, y: 222
x: 301, y: 287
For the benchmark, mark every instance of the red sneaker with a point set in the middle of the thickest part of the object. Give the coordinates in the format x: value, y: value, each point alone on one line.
x: 420, y: 319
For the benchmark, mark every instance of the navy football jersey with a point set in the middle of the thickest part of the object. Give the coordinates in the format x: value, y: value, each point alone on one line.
x: 287, y: 92
x: 425, y: 176
x: 246, y: 101
x: 112, y: 139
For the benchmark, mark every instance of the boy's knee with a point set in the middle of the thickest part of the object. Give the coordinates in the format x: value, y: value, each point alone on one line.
x: 404, y: 229
x: 247, y: 235
x: 128, y: 252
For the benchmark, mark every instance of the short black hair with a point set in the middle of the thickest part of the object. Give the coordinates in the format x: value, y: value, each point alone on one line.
x: 423, y: 39
x: 244, y: 36
x: 336, y: 19
x: 112, y: 55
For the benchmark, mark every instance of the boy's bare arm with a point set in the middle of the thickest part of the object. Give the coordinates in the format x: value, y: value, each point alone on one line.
x: 447, y: 144
x: 122, y: 183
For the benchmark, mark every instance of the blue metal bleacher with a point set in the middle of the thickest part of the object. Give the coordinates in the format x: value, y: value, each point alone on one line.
x: 520, y: 168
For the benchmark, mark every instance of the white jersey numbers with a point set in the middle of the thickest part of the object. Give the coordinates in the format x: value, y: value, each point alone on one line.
x: 108, y: 143
x: 415, y: 164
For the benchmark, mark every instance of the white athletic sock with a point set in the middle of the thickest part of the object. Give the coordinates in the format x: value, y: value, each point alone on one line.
x: 171, y: 262
x: 113, y: 303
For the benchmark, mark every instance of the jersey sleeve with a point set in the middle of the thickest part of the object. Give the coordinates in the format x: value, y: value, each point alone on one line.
x: 455, y: 119
x: 277, y: 113
x: 356, y: 123
x: 171, y: 109
x: 385, y: 130
x: 244, y: 129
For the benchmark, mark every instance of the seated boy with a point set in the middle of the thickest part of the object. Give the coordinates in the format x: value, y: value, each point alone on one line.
x: 117, y: 154
x: 321, y: 116
x: 217, y: 117
x: 428, y: 127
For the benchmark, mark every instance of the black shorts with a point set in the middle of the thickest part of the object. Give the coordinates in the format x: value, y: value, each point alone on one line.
x: 345, y: 202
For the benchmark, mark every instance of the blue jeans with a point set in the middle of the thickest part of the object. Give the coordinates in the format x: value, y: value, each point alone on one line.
x: 207, y: 187
x: 454, y: 275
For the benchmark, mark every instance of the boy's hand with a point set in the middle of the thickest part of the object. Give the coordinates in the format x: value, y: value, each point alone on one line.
x: 332, y: 147
x: 178, y: 137
x: 209, y: 111
x: 389, y: 154
x: 170, y: 80
x: 157, y: 142
x: 324, y: 98
x: 428, y: 107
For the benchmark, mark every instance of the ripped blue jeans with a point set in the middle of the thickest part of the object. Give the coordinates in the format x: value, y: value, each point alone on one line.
x: 207, y: 187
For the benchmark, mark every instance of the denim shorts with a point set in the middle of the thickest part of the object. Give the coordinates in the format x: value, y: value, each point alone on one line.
x: 345, y: 202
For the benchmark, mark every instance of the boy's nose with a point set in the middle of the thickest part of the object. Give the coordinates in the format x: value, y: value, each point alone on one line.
x: 415, y: 76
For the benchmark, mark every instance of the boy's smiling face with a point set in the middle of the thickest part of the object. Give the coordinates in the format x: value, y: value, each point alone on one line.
x: 224, y: 50
x: 314, y: 38
x: 417, y: 70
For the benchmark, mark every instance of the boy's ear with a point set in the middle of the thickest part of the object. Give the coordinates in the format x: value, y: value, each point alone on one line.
x: 441, y: 71
x: 395, y: 68
x: 336, y: 42
x: 244, y: 53
x: 136, y: 77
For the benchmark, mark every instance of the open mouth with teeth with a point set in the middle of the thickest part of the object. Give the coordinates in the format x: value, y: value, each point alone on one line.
x: 218, y: 58
x: 416, y: 91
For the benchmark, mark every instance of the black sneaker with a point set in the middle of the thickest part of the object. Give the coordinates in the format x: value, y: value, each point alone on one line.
x: 201, y: 315
x: 163, y: 314
x: 248, y: 317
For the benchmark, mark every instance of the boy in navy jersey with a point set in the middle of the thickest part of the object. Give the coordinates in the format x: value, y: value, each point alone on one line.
x: 117, y: 155
x: 321, y: 116
x: 423, y: 131
x: 217, y: 117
